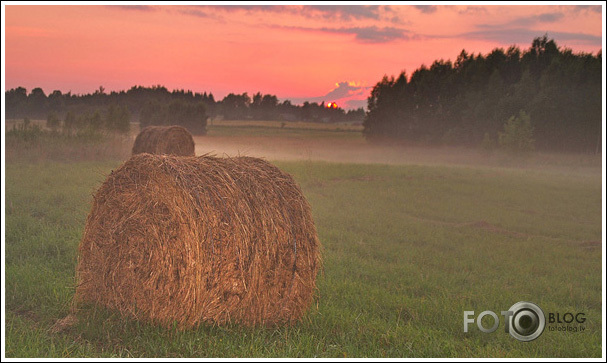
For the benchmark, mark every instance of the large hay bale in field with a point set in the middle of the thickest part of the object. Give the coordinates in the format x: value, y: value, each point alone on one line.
x: 168, y: 140
x: 191, y: 239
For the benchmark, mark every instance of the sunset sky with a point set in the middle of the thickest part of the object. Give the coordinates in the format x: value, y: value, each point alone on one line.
x: 313, y: 52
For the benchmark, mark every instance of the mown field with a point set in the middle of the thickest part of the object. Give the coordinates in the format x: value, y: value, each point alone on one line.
x: 407, y: 248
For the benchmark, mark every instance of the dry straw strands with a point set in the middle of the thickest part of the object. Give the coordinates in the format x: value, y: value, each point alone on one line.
x: 190, y: 239
x: 169, y: 140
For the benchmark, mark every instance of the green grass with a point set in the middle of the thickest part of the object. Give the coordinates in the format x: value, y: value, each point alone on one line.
x: 406, y: 248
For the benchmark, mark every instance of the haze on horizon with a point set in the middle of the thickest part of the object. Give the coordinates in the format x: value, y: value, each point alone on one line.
x: 296, y: 52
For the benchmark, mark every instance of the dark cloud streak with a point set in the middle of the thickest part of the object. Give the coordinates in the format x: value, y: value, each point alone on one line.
x: 194, y: 12
x: 511, y: 36
x: 471, y: 9
x: 550, y: 17
x: 340, y: 12
x: 593, y: 8
x: 519, y: 30
x: 132, y: 7
x: 369, y: 35
x: 249, y: 8
x: 541, y: 18
x: 346, y: 12
x: 426, y: 9
x: 525, y: 21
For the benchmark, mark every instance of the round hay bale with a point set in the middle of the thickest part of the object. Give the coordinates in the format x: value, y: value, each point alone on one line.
x: 167, y: 140
x: 191, y: 239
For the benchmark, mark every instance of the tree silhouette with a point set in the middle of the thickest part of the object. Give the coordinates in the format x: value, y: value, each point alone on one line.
x: 469, y: 101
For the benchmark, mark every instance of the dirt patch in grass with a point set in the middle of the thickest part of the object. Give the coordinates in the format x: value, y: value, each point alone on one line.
x: 64, y: 324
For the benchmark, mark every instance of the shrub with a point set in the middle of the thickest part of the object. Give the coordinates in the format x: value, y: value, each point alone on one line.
x: 488, y: 144
x: 25, y: 131
x: 52, y: 121
x: 517, y: 137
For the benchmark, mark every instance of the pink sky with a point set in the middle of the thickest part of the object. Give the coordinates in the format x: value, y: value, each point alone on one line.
x: 324, y: 52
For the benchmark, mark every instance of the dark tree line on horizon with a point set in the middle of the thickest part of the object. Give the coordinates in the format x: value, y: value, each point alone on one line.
x: 468, y: 101
x: 158, y: 106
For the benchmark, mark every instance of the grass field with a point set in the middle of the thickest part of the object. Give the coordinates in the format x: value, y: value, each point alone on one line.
x: 407, y: 246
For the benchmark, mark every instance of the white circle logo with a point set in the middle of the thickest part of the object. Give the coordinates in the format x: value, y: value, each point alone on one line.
x: 527, y: 321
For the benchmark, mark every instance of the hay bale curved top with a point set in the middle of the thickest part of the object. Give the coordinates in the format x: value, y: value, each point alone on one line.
x: 192, y: 239
x: 168, y: 140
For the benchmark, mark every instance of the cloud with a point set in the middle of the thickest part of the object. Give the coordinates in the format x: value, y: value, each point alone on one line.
x: 525, y: 21
x: 519, y: 30
x: 581, y: 37
x: 338, y: 12
x: 348, y: 95
x: 426, y: 9
x: 249, y: 8
x: 511, y: 36
x: 194, y: 12
x: 389, y: 13
x: 471, y: 9
x: 369, y: 35
x: 593, y: 8
x: 132, y: 7
x: 345, y: 89
x: 536, y: 19
x: 550, y: 17
x: 346, y: 12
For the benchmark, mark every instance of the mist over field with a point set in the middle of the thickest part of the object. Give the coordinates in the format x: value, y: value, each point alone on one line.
x: 337, y: 144
x: 443, y: 188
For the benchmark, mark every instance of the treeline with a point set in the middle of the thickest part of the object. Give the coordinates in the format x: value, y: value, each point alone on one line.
x: 470, y: 101
x: 157, y: 106
x: 267, y: 107
x: 112, y: 118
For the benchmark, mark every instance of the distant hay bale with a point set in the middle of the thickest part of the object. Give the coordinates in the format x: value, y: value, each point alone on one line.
x: 167, y: 140
x: 190, y: 239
